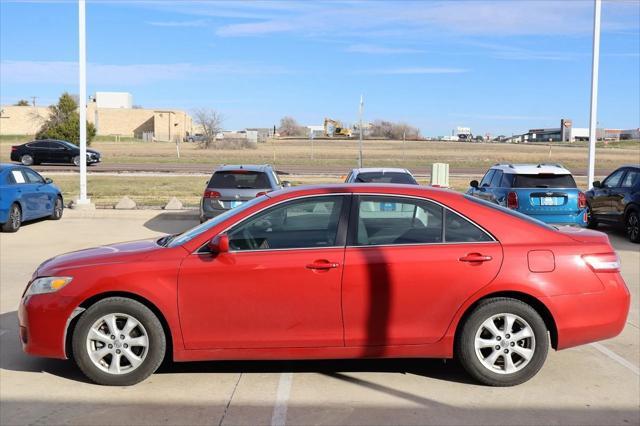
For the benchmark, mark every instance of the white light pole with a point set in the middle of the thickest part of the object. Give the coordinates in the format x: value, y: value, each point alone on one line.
x: 361, y: 131
x: 593, y: 120
x: 82, y: 44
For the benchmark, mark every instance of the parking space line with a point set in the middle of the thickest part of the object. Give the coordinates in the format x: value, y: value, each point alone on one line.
x: 279, y: 417
x: 226, y: 408
x: 617, y: 358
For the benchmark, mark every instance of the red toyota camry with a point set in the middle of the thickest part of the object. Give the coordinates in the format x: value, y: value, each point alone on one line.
x: 347, y: 271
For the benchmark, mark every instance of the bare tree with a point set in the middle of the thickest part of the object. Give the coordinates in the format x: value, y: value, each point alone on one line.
x: 389, y: 130
x: 290, y: 127
x: 210, y: 123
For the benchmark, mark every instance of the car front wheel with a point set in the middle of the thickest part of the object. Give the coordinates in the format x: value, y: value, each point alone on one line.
x: 632, y: 226
x: 118, y: 342
x: 58, y: 208
x: 503, y: 342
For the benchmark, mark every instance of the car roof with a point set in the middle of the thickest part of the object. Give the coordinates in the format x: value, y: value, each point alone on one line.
x: 355, y: 188
x: 532, y: 169
x: 247, y: 167
x: 382, y: 170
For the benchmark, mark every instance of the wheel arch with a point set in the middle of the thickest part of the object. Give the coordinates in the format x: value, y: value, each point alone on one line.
x: 628, y: 208
x: 86, y: 304
x: 534, y: 302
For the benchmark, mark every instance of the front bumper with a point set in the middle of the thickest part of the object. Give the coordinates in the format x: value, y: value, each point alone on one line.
x: 589, y: 317
x: 43, y: 320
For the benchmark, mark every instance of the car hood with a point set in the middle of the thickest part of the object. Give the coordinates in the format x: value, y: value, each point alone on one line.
x: 114, y: 253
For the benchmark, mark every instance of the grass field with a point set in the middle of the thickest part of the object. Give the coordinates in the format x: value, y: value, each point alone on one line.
x: 301, y: 152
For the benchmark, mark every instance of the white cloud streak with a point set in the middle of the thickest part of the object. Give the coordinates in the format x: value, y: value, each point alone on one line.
x: 380, y: 50
x: 179, y: 24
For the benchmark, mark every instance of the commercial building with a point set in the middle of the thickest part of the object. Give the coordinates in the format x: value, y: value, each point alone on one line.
x: 567, y: 133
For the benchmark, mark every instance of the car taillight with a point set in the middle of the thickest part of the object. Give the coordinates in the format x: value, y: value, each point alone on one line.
x: 14, y: 148
x: 512, y: 200
x: 211, y: 194
x: 261, y: 193
x: 582, y: 200
x: 603, y: 262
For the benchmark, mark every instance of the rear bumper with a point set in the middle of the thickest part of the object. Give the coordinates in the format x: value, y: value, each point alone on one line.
x: 571, y: 218
x: 589, y: 317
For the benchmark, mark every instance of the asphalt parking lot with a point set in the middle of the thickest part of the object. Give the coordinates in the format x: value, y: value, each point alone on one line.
x: 594, y: 384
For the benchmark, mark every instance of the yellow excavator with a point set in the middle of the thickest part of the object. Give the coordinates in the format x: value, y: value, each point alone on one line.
x: 334, y: 128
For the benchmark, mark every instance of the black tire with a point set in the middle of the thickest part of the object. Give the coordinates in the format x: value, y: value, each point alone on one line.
x: 157, y: 343
x: 14, y: 220
x: 26, y: 160
x: 592, y: 223
x: 58, y: 209
x: 465, y: 342
x: 632, y: 225
x: 76, y: 161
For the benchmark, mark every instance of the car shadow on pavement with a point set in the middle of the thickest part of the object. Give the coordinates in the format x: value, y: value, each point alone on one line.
x: 14, y: 359
x: 173, y: 222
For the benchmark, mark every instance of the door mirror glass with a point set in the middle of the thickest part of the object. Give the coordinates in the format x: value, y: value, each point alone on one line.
x: 286, y: 184
x: 219, y: 244
x: 597, y: 184
x: 474, y: 184
x: 48, y: 180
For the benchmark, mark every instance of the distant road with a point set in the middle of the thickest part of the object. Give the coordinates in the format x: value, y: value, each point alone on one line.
x: 204, y: 168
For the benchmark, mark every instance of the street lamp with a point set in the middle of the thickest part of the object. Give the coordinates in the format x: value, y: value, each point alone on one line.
x: 82, y: 42
x: 593, y: 136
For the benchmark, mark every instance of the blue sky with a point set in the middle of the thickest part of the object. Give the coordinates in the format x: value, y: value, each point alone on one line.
x: 497, y: 66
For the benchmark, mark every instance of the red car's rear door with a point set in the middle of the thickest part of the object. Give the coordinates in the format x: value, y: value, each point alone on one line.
x: 279, y: 286
x: 404, y: 278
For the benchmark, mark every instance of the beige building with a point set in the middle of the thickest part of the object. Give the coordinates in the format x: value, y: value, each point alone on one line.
x: 148, y: 124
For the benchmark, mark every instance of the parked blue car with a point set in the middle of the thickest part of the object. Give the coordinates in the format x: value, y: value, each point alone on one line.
x: 25, y: 195
x: 546, y: 192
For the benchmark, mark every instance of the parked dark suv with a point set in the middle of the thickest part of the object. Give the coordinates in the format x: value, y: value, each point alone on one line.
x: 51, y: 151
x: 230, y: 186
x: 616, y: 201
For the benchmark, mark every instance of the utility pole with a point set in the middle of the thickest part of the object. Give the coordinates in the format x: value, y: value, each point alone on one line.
x: 361, y: 131
x: 82, y: 42
x: 593, y: 119
x: 33, y: 101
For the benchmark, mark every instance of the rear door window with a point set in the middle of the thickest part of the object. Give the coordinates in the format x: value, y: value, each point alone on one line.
x: 460, y: 230
x: 389, y: 177
x: 18, y: 177
x: 239, y: 179
x: 543, y: 181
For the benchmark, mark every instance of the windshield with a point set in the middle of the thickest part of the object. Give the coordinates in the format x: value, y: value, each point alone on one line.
x: 510, y: 212
x: 240, y: 179
x: 543, y: 181
x: 388, y: 177
x: 179, y: 239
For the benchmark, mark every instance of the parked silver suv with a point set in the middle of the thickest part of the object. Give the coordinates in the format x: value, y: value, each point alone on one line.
x: 231, y: 186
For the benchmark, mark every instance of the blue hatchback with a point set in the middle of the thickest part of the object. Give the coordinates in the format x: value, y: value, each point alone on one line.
x: 25, y: 195
x: 546, y: 192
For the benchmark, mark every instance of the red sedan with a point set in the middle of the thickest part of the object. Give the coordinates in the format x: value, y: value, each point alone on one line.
x: 346, y: 271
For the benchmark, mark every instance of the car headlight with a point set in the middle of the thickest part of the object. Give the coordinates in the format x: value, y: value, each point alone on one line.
x: 47, y: 285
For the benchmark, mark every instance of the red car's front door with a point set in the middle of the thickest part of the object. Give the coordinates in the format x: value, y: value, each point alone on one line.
x: 405, y: 276
x: 279, y: 286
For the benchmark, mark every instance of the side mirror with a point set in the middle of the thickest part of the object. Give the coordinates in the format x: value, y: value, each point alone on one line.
x: 286, y: 184
x: 474, y: 184
x: 219, y: 244
x: 48, y: 180
x: 597, y: 184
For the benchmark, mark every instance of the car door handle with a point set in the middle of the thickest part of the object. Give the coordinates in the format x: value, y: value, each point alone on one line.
x: 322, y: 265
x: 475, y: 257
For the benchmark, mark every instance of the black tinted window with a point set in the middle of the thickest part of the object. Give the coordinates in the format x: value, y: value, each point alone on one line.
x: 306, y: 223
x: 543, y: 181
x: 38, y: 145
x: 389, y: 177
x: 386, y: 220
x: 240, y: 179
x: 460, y: 230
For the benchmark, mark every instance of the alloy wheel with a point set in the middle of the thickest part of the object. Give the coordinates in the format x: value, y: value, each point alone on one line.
x: 505, y: 343
x: 117, y: 343
x: 15, y: 217
x: 57, y: 209
x: 633, y: 226
x: 26, y: 160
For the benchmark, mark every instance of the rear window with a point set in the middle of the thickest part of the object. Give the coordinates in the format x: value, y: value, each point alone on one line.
x: 239, y: 179
x: 389, y: 177
x: 543, y: 181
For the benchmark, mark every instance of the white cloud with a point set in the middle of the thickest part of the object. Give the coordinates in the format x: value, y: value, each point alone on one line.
x: 59, y: 72
x: 180, y: 24
x: 380, y: 50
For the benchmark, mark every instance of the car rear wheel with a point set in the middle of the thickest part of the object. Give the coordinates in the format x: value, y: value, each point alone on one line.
x: 76, y: 161
x: 58, y: 208
x: 14, y: 220
x: 503, y: 342
x: 118, y: 342
x: 632, y: 226
x: 26, y: 160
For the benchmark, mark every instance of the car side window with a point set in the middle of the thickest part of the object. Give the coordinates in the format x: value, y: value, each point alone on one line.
x: 385, y: 220
x: 37, y: 145
x: 631, y: 179
x: 17, y: 176
x: 486, y: 180
x: 613, y: 181
x: 32, y: 177
x: 460, y: 230
x: 496, y: 181
x: 303, y: 223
